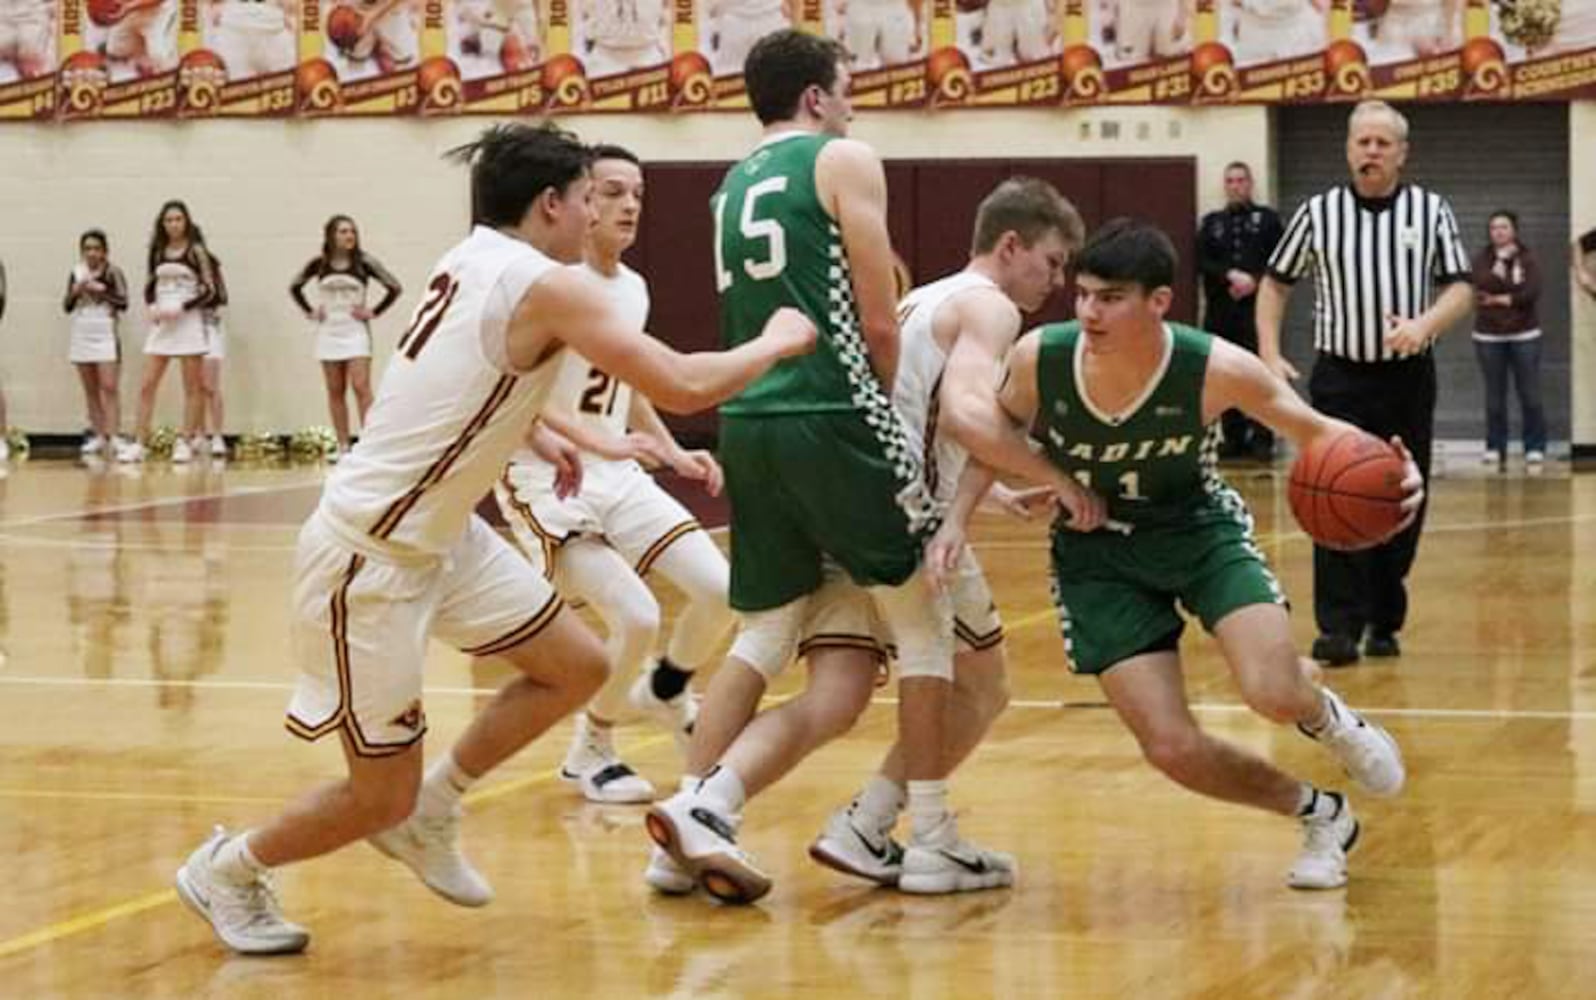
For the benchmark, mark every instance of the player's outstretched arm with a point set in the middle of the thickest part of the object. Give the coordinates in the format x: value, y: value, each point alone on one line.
x: 853, y: 186
x: 566, y: 307
x: 1237, y: 379
x: 1270, y: 312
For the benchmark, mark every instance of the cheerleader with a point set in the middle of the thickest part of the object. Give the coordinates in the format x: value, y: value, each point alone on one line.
x: 215, y: 354
x: 342, y: 273
x: 96, y: 293
x: 179, y: 288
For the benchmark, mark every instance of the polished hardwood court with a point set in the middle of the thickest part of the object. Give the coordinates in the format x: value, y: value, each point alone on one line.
x: 144, y: 669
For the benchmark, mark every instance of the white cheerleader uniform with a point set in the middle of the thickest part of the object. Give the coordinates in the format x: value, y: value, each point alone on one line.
x: 92, y: 325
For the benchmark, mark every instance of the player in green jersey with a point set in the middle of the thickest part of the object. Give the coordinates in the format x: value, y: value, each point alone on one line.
x: 1126, y: 402
x: 818, y: 466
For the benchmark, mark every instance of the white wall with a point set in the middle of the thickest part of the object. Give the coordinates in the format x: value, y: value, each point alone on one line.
x: 1582, y: 217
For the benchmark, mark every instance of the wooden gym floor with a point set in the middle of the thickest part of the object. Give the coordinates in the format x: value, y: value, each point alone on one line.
x: 144, y: 673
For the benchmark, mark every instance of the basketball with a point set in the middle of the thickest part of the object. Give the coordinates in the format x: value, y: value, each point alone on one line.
x: 1346, y: 490
x: 105, y: 13
x: 343, y: 27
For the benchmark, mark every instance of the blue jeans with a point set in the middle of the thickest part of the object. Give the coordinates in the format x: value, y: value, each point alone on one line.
x: 1521, y: 358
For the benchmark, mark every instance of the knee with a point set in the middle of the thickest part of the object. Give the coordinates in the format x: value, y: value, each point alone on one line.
x: 638, y: 622
x: 1276, y: 694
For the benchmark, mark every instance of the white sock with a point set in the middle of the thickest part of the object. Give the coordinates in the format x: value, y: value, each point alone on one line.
x: 880, y: 802
x: 443, y: 787
x: 1327, y: 715
x: 1315, y: 804
x: 235, y: 864
x: 928, y: 808
x: 723, y: 789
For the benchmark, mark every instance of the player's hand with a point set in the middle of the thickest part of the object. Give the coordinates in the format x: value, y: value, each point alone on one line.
x: 1412, y: 484
x: 1022, y: 504
x: 791, y: 331
x: 942, y: 555
x: 1087, y: 511
x: 645, y: 449
x: 701, y: 466
x: 1406, y: 337
x: 361, y: 313
x: 557, y: 450
x: 1282, y: 368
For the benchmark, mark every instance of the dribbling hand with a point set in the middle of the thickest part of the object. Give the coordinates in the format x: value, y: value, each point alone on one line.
x: 1412, y: 487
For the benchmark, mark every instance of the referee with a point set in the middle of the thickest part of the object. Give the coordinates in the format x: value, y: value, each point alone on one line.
x: 1377, y: 249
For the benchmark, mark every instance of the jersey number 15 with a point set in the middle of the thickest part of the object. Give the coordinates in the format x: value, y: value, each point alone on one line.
x: 752, y: 229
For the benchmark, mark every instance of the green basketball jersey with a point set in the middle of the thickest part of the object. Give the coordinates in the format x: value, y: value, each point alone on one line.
x: 1155, y: 463
x: 776, y: 246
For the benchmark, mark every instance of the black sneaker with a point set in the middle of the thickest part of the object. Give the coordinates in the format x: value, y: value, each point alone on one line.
x: 1335, y: 650
x: 1382, y: 645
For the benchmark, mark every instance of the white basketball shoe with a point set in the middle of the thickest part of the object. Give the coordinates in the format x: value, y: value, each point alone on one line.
x: 944, y: 863
x: 1367, y: 751
x: 593, y: 766
x: 703, y: 840
x: 849, y: 847
x: 430, y: 847
x: 1328, y: 834
x: 246, y: 917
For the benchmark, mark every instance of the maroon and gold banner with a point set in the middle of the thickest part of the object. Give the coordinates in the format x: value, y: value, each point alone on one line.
x: 887, y: 43
x: 711, y: 39
x: 237, y: 58
x: 1530, y: 50
x: 1145, y: 49
x: 1259, y: 50
x: 608, y: 55
x: 28, y: 60
x: 118, y: 59
x: 359, y: 57
x: 1000, y: 53
x: 482, y: 57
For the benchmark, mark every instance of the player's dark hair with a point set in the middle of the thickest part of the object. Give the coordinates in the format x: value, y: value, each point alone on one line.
x: 158, y: 240
x: 1129, y: 250
x: 511, y: 165
x: 94, y: 234
x: 784, y: 64
x: 1029, y: 208
x: 609, y: 151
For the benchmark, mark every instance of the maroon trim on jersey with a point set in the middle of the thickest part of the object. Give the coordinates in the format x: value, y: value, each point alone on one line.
x: 389, y: 521
x: 548, y: 541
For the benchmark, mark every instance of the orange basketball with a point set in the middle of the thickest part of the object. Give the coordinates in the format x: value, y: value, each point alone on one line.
x: 105, y: 13
x: 343, y: 26
x: 1346, y: 490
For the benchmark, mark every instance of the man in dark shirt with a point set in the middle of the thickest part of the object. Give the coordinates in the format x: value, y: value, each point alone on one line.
x: 1233, y: 247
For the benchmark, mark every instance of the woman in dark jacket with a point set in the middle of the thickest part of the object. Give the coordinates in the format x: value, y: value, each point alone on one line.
x: 1507, y: 339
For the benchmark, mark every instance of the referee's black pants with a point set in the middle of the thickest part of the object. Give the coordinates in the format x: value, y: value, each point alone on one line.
x: 1352, y: 590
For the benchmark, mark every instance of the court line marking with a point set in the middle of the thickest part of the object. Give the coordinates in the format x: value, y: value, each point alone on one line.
x: 97, y: 918
x: 1571, y: 715
x: 85, y: 512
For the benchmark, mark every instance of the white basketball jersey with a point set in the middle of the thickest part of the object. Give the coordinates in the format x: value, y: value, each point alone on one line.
x: 450, y: 410
x: 921, y: 362
x: 582, y: 393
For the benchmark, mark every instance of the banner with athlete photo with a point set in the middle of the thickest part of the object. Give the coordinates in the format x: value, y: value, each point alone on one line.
x: 118, y: 59
x: 359, y: 57
x: 1530, y: 50
x: 1260, y: 51
x: 1145, y: 47
x: 482, y: 57
x: 711, y: 40
x: 237, y: 58
x: 28, y: 61
x: 887, y: 43
x: 608, y: 55
x: 1000, y: 53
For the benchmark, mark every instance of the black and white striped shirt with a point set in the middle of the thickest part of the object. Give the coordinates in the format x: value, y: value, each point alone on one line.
x: 1370, y: 258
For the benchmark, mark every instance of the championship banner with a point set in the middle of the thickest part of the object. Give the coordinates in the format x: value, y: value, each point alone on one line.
x: 1530, y: 50
x: 711, y: 40
x: 887, y: 42
x: 358, y: 57
x: 118, y: 59
x: 1260, y: 51
x: 1004, y: 53
x: 482, y: 57
x: 237, y: 58
x: 27, y: 60
x: 1145, y: 47
x: 609, y: 55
